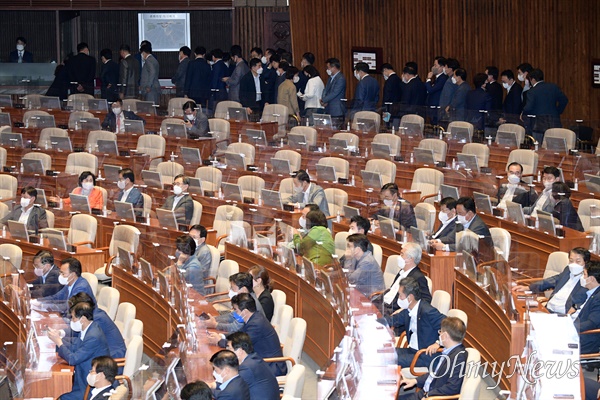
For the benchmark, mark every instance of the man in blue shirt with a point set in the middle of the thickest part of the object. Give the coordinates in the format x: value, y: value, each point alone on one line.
x: 229, y: 385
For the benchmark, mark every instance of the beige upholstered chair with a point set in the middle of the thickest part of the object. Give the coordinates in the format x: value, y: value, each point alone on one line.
x: 387, y: 138
x: 8, y: 186
x: 50, y: 219
x: 210, y: 178
x: 514, y: 128
x: 309, y: 133
x: 15, y: 257
x: 134, y: 328
x: 568, y: 134
x: 33, y: 113
x: 336, y: 199
x: 130, y: 105
x: 340, y: 243
x: 527, y: 158
x: 294, y: 383
x: 197, y: 214
x: 341, y: 166
x: 221, y: 275
x: 224, y: 216
x: 391, y: 270
x: 154, y: 146
x: 425, y: 215
x: 246, y: 149
x: 170, y: 121
x: 147, y: 203
x: 467, y: 241
x: 45, y: 158
x: 92, y: 281
x: 108, y: 300
x: 438, y: 146
x: 76, y: 116
x: 413, y: 119
x: 293, y: 345
x: 251, y: 186
x: 219, y: 125
x: 133, y: 356
x: 125, y: 315
x: 427, y: 181
x: 386, y: 169
x: 175, y: 106
x: 279, y: 299
x: 441, y: 300
x: 94, y: 136
x: 286, y: 188
x: 480, y: 150
x: 292, y: 156
x: 168, y: 171
x: 124, y: 236
x: 32, y: 100
x: 79, y: 101
x: 2, y: 157
x: 366, y: 115
x: 284, y: 319
x: 3, y: 210
x: 462, y: 124
x: 350, y: 138
x: 45, y: 135
x: 501, y: 239
x: 82, y: 230
x: 79, y: 162
x: 277, y: 113
x: 223, y: 106
x: 585, y: 212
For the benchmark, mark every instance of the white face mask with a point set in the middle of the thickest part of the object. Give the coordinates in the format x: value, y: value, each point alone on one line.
x: 329, y: 72
x: 302, y: 222
x: 440, y: 340
x: 263, y: 59
x: 462, y: 219
x: 25, y: 202
x: 403, y: 304
x: 506, y: 85
x: 454, y: 80
x: 218, y: 377
x: 20, y: 47
x: 232, y: 293
x: 76, y: 326
x: 513, y: 179
x: 583, y: 281
x: 91, y: 379
x: 211, y: 63
x: 401, y: 262
x: 38, y: 271
x: 190, y: 117
x: 278, y: 73
x: 404, y: 80
x: 259, y: 71
x: 385, y: 77
x: 116, y: 110
x: 296, y: 79
x: 443, y: 217
x: 352, y: 231
x: 521, y: 77
x: 356, y: 75
x: 87, y: 185
x: 177, y: 190
x: 62, y: 280
x: 575, y: 268
x: 444, y: 70
x: 121, y: 184
x: 388, y: 202
x: 197, y: 241
x: 548, y: 185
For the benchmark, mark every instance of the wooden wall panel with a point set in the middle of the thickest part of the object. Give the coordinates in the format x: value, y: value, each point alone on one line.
x: 557, y: 36
x: 248, y: 27
x: 149, y: 5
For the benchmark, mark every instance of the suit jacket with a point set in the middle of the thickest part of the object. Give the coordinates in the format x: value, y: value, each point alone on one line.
x: 494, y: 89
x: 459, y: 102
x: 548, y: 206
x: 265, y: 340
x: 270, y: 77
x: 149, y: 75
x: 129, y: 77
x: 259, y: 378
x: 414, y: 93
x: 419, y: 277
x: 286, y: 95
x: 523, y: 196
x: 546, y: 101
x: 451, y: 371
x: 477, y: 99
x: 477, y: 226
x: 367, y: 95
x: 109, y: 75
x: 567, y: 215
x: 236, y: 389
x: 13, y: 57
x: 82, y: 69
x: 200, y: 126
x: 100, y: 396
x: 197, y: 81
x: 300, y: 87
x: 60, y: 299
x: 434, y: 90
x: 241, y: 69
x: 367, y: 275
x: 179, y: 78
x: 268, y: 305
x: 36, y: 221
x: 392, y: 89
x: 448, y: 234
x: 447, y: 93
x: 79, y: 353
x: 48, y: 288
x: 111, y: 332
x: 556, y: 282
x: 316, y: 195
x: 334, y: 91
x: 513, y: 104
x: 184, y: 209
x: 135, y: 197
x: 404, y: 214
x: 110, y: 120
x: 589, y: 318
x: 428, y: 324
x: 248, y: 92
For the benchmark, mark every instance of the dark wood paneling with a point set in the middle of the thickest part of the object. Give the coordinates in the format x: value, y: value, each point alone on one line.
x: 39, y: 28
x: 114, y: 4
x: 558, y: 37
x: 248, y: 26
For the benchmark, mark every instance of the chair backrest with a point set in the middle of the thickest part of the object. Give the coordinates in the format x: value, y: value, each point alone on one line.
x: 134, y: 328
x: 197, y: 214
x: 429, y: 283
x: 170, y: 121
x: 8, y: 186
x: 83, y: 228
x: 427, y: 181
x: 46, y: 133
x: 467, y: 240
x: 3, y: 210
x: 425, y: 214
x: 460, y: 314
x: 294, y: 382
x: 125, y: 314
x: 78, y: 101
x: 462, y: 124
x: 286, y: 188
x: 585, y: 213
x: 340, y: 243
x: 518, y: 129
x: 108, y: 300
x: 472, y: 381
x: 294, y: 342
x: 147, y: 203
x: 568, y: 134
x: 501, y: 239
x: 210, y: 178
x: 391, y: 270
x: 92, y: 280
x: 153, y: 145
x: 133, y: 355
x: 341, y: 166
x: 277, y: 113
x: 33, y: 113
x: 366, y: 115
x: 286, y: 313
x: 350, y: 138
x: 32, y: 100
x: 527, y: 158
x: 3, y: 155
x: 413, y: 119
x: 309, y: 133
x: 557, y: 261
x: 79, y: 162
x: 94, y: 136
x: 438, y: 146
x: 441, y: 300
x: 246, y: 149
x: 480, y: 150
x: 215, y: 261
x: 219, y: 125
x: 377, y: 253
x: 279, y: 299
x: 168, y: 171
x: 125, y: 236
x: 75, y: 116
x: 292, y: 156
x: 175, y: 106
x: 386, y: 169
x: 336, y: 199
x: 45, y: 158
x: 251, y: 185
x: 223, y: 217
x: 387, y: 138
x: 14, y: 253
x: 50, y: 219
x: 130, y: 105
x: 223, y: 107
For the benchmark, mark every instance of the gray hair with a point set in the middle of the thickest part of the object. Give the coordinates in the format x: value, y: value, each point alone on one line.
x: 414, y: 251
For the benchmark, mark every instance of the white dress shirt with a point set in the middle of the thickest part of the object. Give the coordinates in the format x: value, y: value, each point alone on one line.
x: 257, y: 86
x: 125, y: 194
x: 391, y: 294
x: 25, y: 215
x: 508, y: 195
x: 558, y: 302
x: 176, y: 201
x: 414, y: 340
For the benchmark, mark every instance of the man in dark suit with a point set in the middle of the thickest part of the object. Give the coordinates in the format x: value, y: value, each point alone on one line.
x: 367, y: 90
x: 269, y: 76
x: 197, y: 390
x: 467, y: 218
x: 449, y: 89
x: 395, y: 207
x: 149, y: 84
x: 447, y: 377
x: 417, y: 316
x: 114, y: 120
x: 414, y: 92
x: 392, y: 92
x: 80, y: 352
x: 109, y: 75
x: 444, y: 238
x: 493, y: 87
x: 563, y: 297
x: 129, y: 193
x: 240, y: 69
x: 197, y: 80
x: 252, y: 87
x: 436, y: 79
x: 587, y: 314
x: 513, y: 103
x: 516, y: 190
x: 334, y: 92
x: 563, y: 210
x: 129, y: 74
x: 81, y: 69
x: 102, y: 377
x: 28, y: 212
x: 180, y: 202
x: 253, y: 370
x: 20, y: 55
x: 229, y: 384
x: 478, y: 99
x: 307, y: 59
x: 218, y: 88
x: 46, y: 283
x: 196, y: 121
x: 546, y: 102
x: 179, y: 78
x: 307, y: 192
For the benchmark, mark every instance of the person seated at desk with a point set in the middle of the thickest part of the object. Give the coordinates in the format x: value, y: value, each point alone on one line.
x: 180, y: 202
x: 188, y: 264
x: 20, y: 55
x: 46, y: 283
x: 87, y: 187
x: 198, y: 390
x: 129, y: 193
x: 196, y: 123
x: 447, y: 377
x: 587, y: 314
x: 102, y: 377
x: 358, y: 224
x: 317, y: 245
x: 259, y: 329
x: 563, y: 209
x: 199, y: 234
x: 115, y: 119
x: 567, y: 289
x: 242, y: 282
x: 253, y: 370
x: 467, y: 218
x: 73, y: 283
x: 109, y: 328
x: 228, y: 384
x: 80, y: 353
x: 513, y: 191
x: 395, y: 207
x: 261, y: 286
x: 418, y: 319
x: 306, y: 192
x: 27, y: 212
x: 408, y: 262
x: 445, y: 237
x: 364, y: 272
x: 544, y: 202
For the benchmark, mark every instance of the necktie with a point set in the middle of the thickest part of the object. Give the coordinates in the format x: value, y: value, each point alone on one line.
x: 118, y: 124
x: 20, y: 56
x: 433, y: 80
